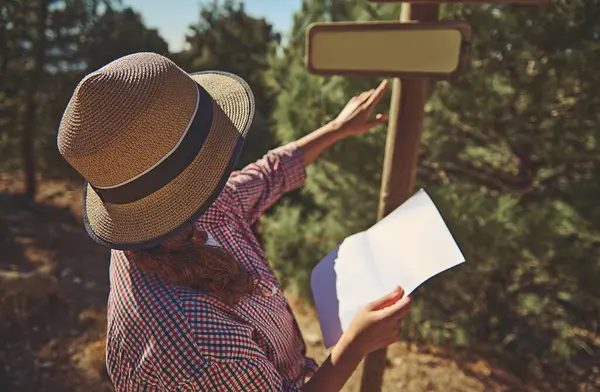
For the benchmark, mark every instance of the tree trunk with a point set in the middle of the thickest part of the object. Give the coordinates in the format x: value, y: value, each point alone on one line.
x: 333, y: 11
x: 403, y: 144
x: 27, y: 141
x: 4, y: 48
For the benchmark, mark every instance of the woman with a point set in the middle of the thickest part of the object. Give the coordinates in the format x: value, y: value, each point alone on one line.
x: 194, y: 305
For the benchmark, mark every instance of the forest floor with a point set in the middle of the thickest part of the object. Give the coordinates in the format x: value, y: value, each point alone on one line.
x: 52, y: 336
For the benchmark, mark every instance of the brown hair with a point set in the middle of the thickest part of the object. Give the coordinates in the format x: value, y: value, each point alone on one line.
x: 183, y: 262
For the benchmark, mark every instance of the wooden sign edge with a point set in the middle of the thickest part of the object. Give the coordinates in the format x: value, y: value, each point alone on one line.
x: 463, y: 27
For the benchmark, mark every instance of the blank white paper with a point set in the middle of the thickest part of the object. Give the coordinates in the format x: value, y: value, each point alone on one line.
x: 363, y: 283
x: 406, y: 248
x: 412, y: 244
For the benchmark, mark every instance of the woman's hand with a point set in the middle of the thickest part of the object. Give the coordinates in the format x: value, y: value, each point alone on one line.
x: 355, y: 118
x: 378, y: 324
x: 374, y: 327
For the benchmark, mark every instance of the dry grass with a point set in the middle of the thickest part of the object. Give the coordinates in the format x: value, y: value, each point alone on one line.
x: 55, y: 341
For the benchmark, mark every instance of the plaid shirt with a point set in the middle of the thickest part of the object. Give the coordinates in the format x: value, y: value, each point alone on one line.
x: 166, y: 338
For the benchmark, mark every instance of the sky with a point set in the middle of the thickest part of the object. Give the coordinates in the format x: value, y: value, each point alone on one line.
x: 172, y: 17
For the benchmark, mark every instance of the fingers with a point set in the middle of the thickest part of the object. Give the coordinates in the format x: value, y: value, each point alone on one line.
x: 380, y: 118
x: 377, y: 94
x: 405, y: 309
x: 387, y: 300
x: 365, y: 96
x: 399, y: 309
x: 368, y: 95
x: 372, y: 96
x: 382, y: 86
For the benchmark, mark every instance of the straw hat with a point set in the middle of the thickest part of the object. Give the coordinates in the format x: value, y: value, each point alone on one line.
x: 155, y: 145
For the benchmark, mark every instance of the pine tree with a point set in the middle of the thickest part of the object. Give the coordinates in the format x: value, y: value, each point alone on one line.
x: 42, y: 63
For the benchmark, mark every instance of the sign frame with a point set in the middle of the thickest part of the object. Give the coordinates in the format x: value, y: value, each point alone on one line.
x: 461, y: 26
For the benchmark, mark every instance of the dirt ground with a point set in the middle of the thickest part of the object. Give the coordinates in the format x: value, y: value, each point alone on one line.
x: 52, y: 336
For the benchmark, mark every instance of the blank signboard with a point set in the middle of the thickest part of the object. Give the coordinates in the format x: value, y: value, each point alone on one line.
x: 388, y: 49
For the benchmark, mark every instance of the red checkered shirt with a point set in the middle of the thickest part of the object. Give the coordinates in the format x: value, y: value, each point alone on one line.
x: 166, y: 338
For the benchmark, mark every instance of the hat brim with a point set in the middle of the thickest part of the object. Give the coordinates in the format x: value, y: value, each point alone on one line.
x: 151, y: 220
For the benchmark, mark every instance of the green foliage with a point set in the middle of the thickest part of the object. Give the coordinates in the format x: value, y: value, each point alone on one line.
x: 509, y: 155
x: 520, y: 129
x: 80, y: 37
x: 118, y: 33
x: 295, y: 243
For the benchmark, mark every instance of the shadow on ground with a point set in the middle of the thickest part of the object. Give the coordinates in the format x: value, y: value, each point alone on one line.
x: 47, y: 325
x: 52, y: 331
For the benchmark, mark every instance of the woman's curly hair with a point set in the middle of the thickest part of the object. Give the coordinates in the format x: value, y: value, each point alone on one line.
x: 183, y: 262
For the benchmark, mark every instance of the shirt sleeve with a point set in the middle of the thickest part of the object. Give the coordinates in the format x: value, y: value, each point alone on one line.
x: 251, y: 375
x: 260, y: 184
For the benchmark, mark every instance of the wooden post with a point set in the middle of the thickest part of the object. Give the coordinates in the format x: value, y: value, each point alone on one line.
x: 400, y: 163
